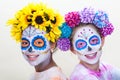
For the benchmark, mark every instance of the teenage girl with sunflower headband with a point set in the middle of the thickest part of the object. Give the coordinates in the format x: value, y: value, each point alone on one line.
x: 36, y: 27
x: 84, y: 33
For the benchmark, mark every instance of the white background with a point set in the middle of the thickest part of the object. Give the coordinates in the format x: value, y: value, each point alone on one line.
x: 12, y: 64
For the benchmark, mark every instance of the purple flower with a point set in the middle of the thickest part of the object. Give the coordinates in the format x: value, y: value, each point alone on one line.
x: 87, y: 15
x: 107, y: 30
x: 100, y: 19
x: 63, y: 44
x: 72, y: 19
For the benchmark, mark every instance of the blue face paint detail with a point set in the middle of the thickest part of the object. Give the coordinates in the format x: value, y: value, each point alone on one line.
x: 94, y: 40
x: 80, y: 44
x: 28, y: 42
x: 36, y: 47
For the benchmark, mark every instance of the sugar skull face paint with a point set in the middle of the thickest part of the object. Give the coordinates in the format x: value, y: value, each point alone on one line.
x: 35, y: 47
x: 87, y: 43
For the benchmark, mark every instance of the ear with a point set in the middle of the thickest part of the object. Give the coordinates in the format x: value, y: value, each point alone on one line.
x: 52, y: 47
x: 103, y: 40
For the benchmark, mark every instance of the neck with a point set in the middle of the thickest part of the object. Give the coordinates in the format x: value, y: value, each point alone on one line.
x: 94, y: 67
x: 45, y: 65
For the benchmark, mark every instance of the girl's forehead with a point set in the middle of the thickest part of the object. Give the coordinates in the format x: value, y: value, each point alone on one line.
x: 86, y: 29
x: 85, y: 32
x: 31, y: 31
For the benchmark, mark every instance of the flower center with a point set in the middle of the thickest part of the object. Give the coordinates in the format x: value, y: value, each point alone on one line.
x: 39, y: 20
x: 53, y: 21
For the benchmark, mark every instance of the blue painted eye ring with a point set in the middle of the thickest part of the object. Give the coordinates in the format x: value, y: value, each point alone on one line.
x: 94, y: 36
x: 80, y: 40
x: 36, y: 47
x: 24, y: 48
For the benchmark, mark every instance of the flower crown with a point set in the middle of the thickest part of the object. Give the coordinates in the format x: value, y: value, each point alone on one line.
x: 39, y: 16
x: 87, y: 15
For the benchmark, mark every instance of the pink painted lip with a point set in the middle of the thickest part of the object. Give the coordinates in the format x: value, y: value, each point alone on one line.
x: 91, y: 56
x: 32, y: 57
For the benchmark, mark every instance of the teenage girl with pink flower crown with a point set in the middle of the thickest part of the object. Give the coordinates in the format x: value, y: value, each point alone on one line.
x: 84, y: 33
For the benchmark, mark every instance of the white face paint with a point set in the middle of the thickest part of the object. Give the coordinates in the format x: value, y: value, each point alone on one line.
x: 35, y: 47
x: 87, y: 43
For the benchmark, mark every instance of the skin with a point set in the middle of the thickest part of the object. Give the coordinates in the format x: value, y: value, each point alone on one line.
x: 94, y: 66
x: 51, y: 63
x: 43, y: 66
x: 43, y: 60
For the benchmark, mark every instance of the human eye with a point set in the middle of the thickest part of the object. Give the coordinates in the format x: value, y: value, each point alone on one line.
x: 94, y: 40
x: 80, y: 44
x: 38, y: 42
x: 25, y: 43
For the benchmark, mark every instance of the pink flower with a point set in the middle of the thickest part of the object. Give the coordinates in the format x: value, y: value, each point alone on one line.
x: 72, y: 19
x: 107, y: 30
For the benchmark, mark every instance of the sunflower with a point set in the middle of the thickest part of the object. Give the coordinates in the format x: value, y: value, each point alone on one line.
x: 39, y: 21
x: 56, y: 20
x: 41, y: 6
x: 16, y: 33
x: 39, y: 16
x: 57, y: 32
x: 13, y: 22
x: 54, y: 34
x: 31, y: 8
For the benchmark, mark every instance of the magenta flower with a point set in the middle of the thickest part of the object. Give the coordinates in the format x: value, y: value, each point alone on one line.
x: 72, y: 19
x: 107, y: 30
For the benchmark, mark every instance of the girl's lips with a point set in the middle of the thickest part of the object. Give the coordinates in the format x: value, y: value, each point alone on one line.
x: 32, y: 57
x: 91, y: 56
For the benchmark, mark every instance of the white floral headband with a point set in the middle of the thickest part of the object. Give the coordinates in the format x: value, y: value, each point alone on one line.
x: 87, y: 15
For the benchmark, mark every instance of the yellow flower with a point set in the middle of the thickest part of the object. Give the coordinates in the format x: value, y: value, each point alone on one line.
x: 54, y: 34
x: 47, y: 36
x: 57, y: 20
x: 31, y: 8
x: 39, y: 16
x: 56, y: 30
x: 39, y: 20
x: 41, y: 6
x: 16, y: 33
x: 12, y: 22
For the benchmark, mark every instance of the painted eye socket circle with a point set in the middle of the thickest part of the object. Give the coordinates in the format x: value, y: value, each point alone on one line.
x: 39, y: 43
x: 25, y: 43
x: 94, y: 40
x: 80, y: 44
